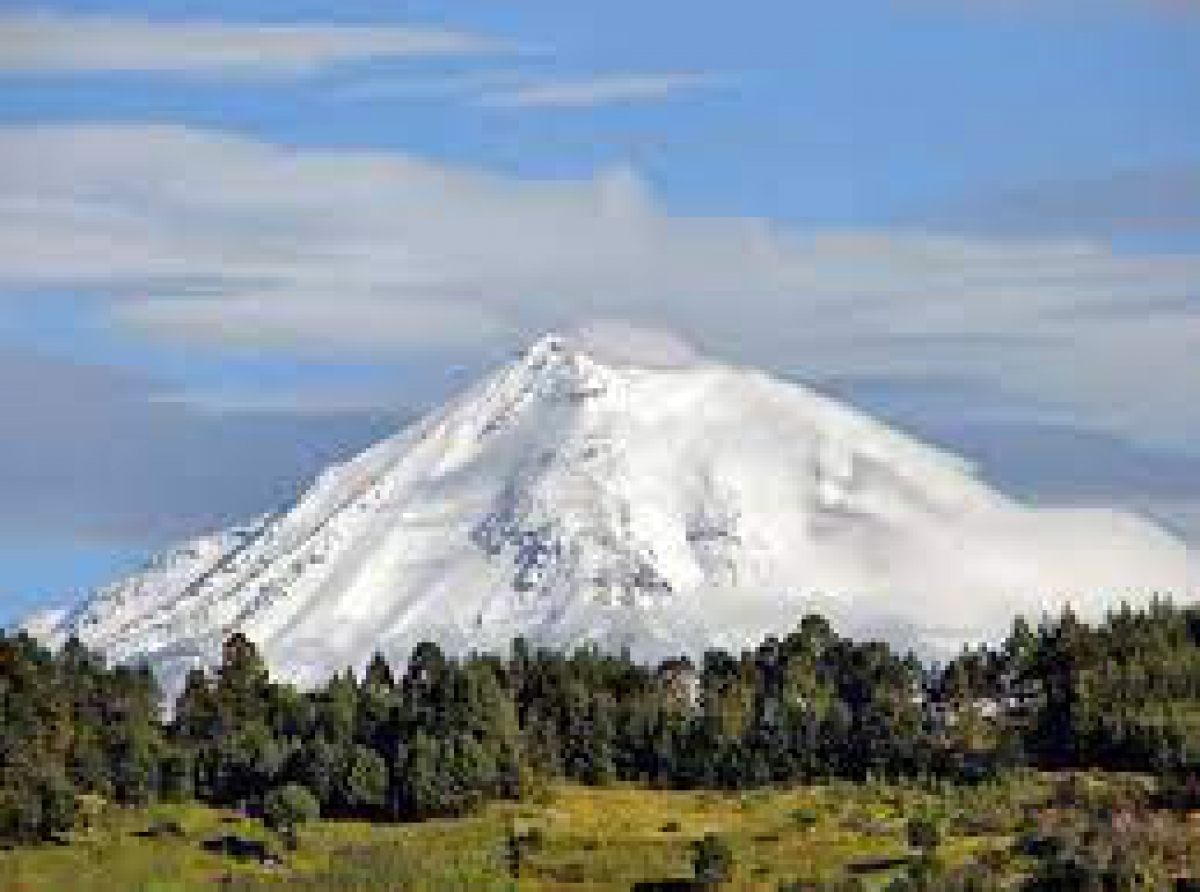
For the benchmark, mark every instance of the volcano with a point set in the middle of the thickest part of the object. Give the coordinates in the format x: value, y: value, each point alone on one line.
x: 575, y: 496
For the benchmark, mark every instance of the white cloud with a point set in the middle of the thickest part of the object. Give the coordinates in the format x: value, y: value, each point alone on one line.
x: 212, y: 238
x: 616, y: 342
x: 593, y: 92
x: 44, y: 42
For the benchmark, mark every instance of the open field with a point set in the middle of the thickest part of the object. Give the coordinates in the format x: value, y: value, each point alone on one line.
x: 585, y: 838
x: 582, y: 838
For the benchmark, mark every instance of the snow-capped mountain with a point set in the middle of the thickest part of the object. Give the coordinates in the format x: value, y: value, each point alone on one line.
x: 574, y: 496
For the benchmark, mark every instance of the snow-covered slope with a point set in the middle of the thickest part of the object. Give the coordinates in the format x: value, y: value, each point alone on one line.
x: 570, y: 497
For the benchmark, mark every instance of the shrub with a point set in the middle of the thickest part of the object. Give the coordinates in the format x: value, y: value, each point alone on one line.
x: 806, y: 818
x: 574, y: 872
x: 535, y: 839
x: 287, y: 808
x: 712, y: 859
x: 988, y: 821
x: 164, y: 828
x: 924, y: 833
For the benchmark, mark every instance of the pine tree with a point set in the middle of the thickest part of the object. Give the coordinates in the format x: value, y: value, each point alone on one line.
x: 316, y: 765
x: 196, y: 714
x: 241, y: 682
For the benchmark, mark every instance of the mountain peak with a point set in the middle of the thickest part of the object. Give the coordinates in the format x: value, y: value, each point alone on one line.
x: 573, y: 496
x: 547, y: 345
x: 556, y: 354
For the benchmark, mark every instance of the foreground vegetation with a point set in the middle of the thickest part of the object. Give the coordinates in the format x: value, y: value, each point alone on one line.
x: 1026, y: 829
x: 812, y: 758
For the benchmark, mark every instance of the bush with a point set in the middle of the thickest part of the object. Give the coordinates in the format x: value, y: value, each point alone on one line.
x: 806, y: 818
x: 520, y: 845
x: 572, y: 873
x: 164, y: 828
x: 924, y: 833
x: 712, y: 859
x: 988, y: 821
x: 287, y: 808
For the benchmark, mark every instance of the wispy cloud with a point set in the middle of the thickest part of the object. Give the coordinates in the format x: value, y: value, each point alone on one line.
x: 215, y: 239
x: 597, y: 91
x: 45, y: 43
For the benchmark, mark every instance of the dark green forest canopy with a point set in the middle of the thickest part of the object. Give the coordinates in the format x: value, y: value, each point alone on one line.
x: 439, y: 736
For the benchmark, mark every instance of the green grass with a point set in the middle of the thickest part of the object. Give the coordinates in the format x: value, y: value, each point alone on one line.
x: 591, y: 839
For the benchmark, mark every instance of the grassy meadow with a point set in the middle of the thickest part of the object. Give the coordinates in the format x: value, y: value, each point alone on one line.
x: 583, y: 838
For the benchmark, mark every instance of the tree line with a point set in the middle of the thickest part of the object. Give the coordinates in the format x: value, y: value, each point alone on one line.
x: 439, y: 736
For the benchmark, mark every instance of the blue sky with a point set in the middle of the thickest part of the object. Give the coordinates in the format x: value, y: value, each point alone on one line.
x: 241, y: 242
